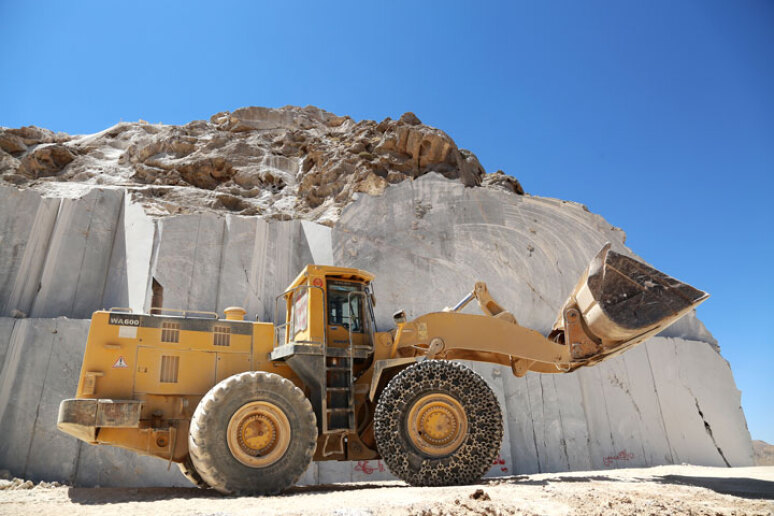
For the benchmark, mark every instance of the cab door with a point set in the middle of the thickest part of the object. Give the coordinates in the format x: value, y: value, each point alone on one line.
x: 348, y: 316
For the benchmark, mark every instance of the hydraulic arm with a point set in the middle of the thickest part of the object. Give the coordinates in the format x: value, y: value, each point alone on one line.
x: 617, y: 303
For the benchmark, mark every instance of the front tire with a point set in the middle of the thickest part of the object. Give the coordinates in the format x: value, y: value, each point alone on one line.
x: 438, y: 423
x: 252, y: 433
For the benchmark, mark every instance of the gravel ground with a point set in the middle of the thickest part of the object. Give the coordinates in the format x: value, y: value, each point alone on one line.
x: 675, y: 490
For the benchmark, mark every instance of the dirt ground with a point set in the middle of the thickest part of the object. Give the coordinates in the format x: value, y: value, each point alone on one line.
x: 661, y: 490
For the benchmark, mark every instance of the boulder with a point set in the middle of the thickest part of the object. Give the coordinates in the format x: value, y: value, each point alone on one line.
x: 45, y: 160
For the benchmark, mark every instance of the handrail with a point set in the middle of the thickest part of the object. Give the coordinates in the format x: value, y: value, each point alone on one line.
x: 184, y: 312
x: 121, y: 309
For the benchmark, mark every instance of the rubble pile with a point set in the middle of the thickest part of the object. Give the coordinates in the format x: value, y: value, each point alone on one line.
x: 11, y: 483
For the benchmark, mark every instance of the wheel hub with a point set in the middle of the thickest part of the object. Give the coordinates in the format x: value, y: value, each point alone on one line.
x: 437, y: 424
x: 258, y: 434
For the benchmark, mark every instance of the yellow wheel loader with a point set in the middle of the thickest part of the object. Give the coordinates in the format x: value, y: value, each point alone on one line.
x: 244, y: 407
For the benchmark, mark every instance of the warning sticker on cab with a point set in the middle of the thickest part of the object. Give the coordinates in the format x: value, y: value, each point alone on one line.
x: 120, y: 363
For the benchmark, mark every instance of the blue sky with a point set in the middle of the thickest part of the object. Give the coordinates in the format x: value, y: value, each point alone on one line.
x: 657, y: 115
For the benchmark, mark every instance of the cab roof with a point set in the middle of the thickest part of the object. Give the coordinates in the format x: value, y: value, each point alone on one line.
x: 331, y: 271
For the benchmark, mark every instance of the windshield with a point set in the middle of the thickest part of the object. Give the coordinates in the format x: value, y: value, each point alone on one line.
x: 345, y: 310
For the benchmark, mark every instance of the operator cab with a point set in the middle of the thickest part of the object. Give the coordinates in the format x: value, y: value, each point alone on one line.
x: 324, y: 308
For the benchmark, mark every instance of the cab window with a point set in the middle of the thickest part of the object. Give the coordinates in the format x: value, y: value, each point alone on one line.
x: 345, y: 310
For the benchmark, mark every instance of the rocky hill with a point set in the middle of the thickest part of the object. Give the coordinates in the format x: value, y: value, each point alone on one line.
x: 764, y: 453
x: 283, y: 163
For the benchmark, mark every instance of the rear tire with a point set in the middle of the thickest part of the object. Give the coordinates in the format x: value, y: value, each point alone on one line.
x: 438, y: 423
x: 253, y: 433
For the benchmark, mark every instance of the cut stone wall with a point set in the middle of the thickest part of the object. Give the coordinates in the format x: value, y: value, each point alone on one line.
x: 670, y: 400
x: 70, y: 257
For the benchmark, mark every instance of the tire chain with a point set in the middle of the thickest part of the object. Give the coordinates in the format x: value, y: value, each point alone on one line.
x: 475, y: 455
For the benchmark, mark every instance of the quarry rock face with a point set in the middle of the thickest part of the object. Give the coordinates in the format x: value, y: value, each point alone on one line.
x: 227, y: 212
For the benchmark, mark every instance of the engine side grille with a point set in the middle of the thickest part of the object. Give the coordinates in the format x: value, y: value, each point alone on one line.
x: 221, y: 336
x: 169, y: 369
x: 170, y: 332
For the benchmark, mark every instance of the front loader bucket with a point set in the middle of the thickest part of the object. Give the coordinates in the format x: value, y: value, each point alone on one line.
x: 622, y: 301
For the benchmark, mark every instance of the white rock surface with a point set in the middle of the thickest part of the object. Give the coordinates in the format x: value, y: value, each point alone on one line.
x: 670, y: 400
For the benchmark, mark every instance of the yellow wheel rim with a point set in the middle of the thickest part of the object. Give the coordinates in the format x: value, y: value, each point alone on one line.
x: 258, y: 434
x: 437, y: 424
